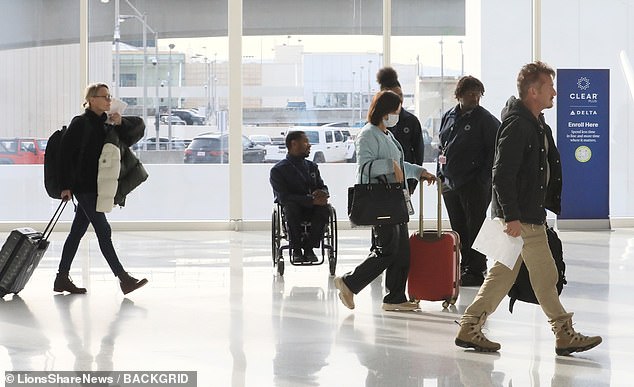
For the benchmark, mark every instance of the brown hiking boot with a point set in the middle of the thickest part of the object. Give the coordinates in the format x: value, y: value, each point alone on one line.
x: 129, y: 284
x: 568, y: 340
x: 470, y: 336
x: 63, y: 283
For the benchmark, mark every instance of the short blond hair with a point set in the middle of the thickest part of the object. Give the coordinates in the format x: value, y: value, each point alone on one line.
x: 91, y: 91
x: 529, y: 75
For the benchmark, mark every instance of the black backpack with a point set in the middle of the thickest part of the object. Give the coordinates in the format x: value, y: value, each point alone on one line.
x: 53, y: 162
x: 522, y: 289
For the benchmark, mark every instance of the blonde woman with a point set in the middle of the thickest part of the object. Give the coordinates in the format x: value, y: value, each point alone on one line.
x: 81, y: 148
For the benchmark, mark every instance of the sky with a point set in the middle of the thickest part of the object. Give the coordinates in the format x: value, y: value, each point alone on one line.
x: 404, y: 49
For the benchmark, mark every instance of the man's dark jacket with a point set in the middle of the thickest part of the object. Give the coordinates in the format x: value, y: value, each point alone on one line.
x: 410, y: 135
x: 468, y: 143
x: 294, y: 179
x: 520, y: 189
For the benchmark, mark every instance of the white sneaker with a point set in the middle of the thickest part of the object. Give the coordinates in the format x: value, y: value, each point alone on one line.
x: 345, y: 294
x: 406, y: 306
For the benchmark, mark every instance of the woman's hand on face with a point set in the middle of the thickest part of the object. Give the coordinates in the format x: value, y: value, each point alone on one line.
x: 398, y: 173
x: 115, y: 118
x: 428, y: 177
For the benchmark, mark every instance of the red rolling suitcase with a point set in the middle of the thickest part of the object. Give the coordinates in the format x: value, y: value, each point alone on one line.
x: 434, y: 272
x: 21, y: 253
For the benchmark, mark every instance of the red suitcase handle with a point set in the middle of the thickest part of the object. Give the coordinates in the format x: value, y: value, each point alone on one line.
x: 439, y: 213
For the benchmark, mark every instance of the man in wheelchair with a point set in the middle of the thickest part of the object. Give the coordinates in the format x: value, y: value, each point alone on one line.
x: 299, y: 189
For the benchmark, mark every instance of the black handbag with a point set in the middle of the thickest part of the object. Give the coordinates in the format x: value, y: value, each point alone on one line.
x: 376, y: 204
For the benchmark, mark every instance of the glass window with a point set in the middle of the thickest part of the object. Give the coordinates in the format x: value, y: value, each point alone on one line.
x: 313, y: 136
x: 339, y: 136
x: 328, y: 136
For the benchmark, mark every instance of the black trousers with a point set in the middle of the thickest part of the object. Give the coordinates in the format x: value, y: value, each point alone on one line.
x: 467, y: 208
x: 86, y: 214
x: 317, y: 216
x: 390, y: 254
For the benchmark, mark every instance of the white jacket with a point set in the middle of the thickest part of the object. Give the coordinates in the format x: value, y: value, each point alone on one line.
x: 108, y: 176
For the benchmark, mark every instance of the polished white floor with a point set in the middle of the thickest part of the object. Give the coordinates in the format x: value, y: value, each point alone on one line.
x: 215, y: 305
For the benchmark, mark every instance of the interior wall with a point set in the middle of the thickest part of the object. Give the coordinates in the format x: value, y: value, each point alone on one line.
x: 575, y: 34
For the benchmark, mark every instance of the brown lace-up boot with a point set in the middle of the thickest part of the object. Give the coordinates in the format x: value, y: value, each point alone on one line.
x: 568, y: 340
x: 470, y: 336
x: 63, y: 283
x: 129, y: 284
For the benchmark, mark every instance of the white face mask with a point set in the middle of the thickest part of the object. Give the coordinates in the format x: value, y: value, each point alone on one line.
x: 392, y: 120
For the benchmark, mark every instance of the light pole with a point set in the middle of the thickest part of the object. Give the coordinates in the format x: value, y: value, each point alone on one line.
x: 360, y: 93
x: 169, y: 100
x: 352, y: 96
x: 146, y: 27
x: 141, y: 17
x: 156, y: 95
x: 461, y: 57
x: 369, y: 76
x: 442, y: 79
x: 214, y: 90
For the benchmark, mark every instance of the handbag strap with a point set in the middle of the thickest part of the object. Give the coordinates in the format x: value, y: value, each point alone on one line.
x: 439, y: 210
x: 369, y: 164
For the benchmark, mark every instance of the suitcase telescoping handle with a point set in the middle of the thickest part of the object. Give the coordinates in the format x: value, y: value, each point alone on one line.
x: 51, y: 224
x: 438, y: 214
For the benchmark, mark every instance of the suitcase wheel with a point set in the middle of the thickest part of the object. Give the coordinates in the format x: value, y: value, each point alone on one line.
x: 446, y: 303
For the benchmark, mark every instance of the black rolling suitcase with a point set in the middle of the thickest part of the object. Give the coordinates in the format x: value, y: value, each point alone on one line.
x: 21, y: 253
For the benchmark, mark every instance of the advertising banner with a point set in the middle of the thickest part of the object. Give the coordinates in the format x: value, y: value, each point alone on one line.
x: 583, y: 124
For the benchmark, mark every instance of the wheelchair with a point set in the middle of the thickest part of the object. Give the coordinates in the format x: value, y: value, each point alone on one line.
x: 279, y: 233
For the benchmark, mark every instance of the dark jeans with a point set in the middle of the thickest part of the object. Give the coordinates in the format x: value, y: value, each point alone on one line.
x: 86, y: 214
x: 467, y: 208
x: 390, y: 254
x: 317, y: 216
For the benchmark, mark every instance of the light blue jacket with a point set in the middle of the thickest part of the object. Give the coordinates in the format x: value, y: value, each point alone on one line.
x: 372, y: 144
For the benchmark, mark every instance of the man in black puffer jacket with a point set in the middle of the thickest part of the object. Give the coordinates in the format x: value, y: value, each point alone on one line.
x: 526, y: 182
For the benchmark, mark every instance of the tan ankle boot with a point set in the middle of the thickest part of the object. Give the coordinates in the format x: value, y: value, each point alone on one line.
x: 568, y: 340
x: 470, y: 336
x: 129, y: 284
x: 63, y: 283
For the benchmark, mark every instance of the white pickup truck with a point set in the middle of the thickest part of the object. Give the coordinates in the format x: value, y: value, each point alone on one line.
x: 328, y: 145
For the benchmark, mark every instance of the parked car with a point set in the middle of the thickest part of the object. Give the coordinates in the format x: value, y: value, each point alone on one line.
x: 214, y: 148
x: 150, y: 144
x: 190, y: 117
x: 431, y: 148
x: 260, y: 139
x: 328, y: 144
x: 176, y: 120
x: 22, y: 150
x: 351, y: 150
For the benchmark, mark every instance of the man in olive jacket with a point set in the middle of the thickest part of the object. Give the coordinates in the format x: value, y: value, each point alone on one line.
x: 526, y: 182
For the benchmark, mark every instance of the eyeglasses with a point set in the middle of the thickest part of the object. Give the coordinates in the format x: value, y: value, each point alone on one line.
x: 107, y: 97
x: 473, y: 93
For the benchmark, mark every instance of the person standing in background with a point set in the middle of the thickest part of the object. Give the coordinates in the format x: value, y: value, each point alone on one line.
x: 465, y: 158
x: 407, y: 131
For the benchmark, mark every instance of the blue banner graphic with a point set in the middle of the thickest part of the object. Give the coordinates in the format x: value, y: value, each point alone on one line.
x: 583, y: 127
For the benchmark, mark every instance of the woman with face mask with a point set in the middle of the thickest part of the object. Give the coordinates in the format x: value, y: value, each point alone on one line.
x: 407, y: 130
x: 390, y: 248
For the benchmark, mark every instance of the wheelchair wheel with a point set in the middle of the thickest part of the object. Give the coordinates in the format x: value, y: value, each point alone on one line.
x: 275, y: 235
x: 332, y: 241
x: 280, y: 266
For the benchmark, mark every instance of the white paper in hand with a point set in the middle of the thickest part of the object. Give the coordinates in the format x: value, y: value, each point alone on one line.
x: 493, y: 242
x: 116, y: 106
